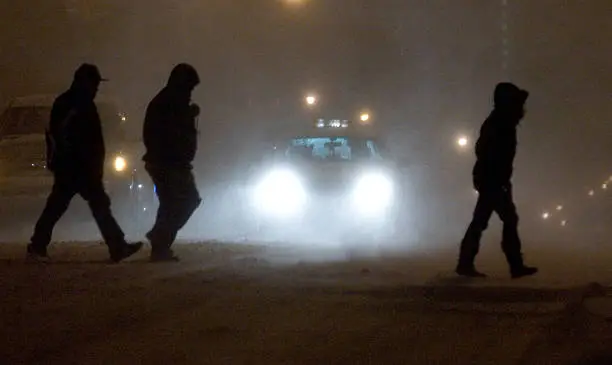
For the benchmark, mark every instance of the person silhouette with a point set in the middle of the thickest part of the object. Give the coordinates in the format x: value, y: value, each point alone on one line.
x: 492, y: 173
x: 75, y: 155
x: 171, y: 140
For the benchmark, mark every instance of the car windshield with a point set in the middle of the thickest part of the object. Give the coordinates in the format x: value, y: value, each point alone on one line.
x: 26, y: 120
x: 333, y: 149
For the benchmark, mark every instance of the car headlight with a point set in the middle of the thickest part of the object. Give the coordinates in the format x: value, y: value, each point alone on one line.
x: 373, y: 193
x: 280, y: 193
x: 120, y: 164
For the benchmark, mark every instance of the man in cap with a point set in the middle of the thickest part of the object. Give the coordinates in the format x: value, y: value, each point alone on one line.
x: 495, y: 151
x: 75, y: 155
x: 170, y: 137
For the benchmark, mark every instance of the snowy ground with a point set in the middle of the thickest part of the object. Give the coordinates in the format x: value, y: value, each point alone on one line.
x: 254, y: 304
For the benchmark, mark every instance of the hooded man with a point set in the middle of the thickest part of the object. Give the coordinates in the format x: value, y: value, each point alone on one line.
x: 495, y: 151
x: 170, y: 137
x: 75, y: 155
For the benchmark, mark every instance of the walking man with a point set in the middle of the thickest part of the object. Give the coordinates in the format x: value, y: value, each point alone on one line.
x: 495, y: 151
x: 170, y: 137
x: 75, y: 155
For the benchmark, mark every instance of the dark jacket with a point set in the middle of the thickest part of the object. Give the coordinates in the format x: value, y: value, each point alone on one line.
x: 495, y: 151
x: 170, y: 134
x: 75, y: 143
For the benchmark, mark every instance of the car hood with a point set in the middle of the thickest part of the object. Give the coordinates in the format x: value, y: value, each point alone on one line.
x: 22, y: 153
x: 22, y: 166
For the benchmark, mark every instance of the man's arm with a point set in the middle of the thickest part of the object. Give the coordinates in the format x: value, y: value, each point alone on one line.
x: 99, y: 149
x: 57, y: 133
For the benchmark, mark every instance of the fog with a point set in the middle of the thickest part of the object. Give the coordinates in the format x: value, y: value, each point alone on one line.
x: 426, y: 70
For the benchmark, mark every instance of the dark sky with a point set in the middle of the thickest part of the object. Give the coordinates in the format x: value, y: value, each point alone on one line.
x: 425, y: 68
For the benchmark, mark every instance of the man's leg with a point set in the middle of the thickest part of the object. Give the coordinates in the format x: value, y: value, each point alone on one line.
x: 57, y: 204
x: 93, y: 192
x: 188, y: 198
x: 160, y: 236
x: 470, y: 244
x: 178, y: 199
x: 511, y: 242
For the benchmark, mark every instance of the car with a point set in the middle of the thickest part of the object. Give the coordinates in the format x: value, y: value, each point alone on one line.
x: 23, y: 170
x: 332, y: 179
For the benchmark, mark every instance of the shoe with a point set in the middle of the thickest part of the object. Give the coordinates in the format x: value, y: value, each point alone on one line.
x: 37, y: 254
x: 164, y: 256
x: 470, y: 272
x: 522, y: 271
x: 125, y: 251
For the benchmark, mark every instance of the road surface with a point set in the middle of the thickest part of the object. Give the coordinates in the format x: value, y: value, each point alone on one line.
x: 255, y: 304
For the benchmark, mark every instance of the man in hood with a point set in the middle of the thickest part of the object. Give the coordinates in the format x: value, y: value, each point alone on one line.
x: 75, y: 155
x: 170, y: 137
x: 495, y: 151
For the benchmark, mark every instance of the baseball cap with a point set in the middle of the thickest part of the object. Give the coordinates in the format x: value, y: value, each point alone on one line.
x: 88, y: 72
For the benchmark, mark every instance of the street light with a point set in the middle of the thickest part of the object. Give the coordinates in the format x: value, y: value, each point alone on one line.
x: 365, y: 117
x: 311, y: 100
x: 462, y: 141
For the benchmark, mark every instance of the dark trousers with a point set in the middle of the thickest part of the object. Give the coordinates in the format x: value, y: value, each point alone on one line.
x: 178, y: 199
x: 91, y: 188
x: 498, y: 200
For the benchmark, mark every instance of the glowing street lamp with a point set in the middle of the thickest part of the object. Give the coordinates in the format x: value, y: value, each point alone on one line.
x: 462, y: 141
x: 559, y: 207
x: 364, y: 117
x: 294, y: 2
x: 311, y: 100
x: 545, y: 215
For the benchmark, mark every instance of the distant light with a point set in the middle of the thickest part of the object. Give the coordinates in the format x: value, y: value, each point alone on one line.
x: 591, y: 192
x: 545, y: 215
x: 604, y: 186
x: 120, y: 164
x: 462, y: 141
x: 364, y: 117
x: 559, y: 207
x: 294, y: 2
x: 563, y: 223
x: 311, y: 100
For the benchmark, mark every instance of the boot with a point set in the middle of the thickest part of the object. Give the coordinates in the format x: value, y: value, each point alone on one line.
x: 469, y: 271
x: 521, y: 271
x: 518, y: 268
x: 160, y: 252
x: 123, y: 251
x: 37, y: 253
